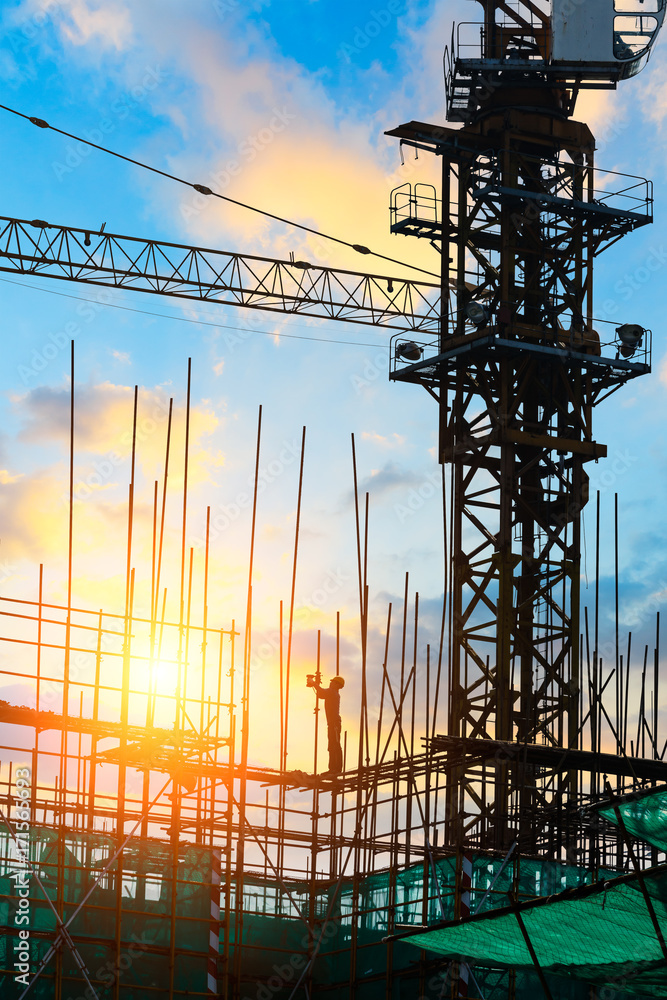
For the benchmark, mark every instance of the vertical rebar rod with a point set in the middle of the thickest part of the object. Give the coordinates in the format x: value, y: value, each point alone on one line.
x: 443, y: 619
x: 312, y: 934
x: 599, y: 658
x: 656, y: 683
x: 641, y: 732
x: 338, y: 644
x: 364, y: 652
x: 317, y: 702
x: 280, y: 847
x: 292, y: 593
x: 181, y: 599
x: 186, y: 464
x: 146, y: 780
x: 245, y: 724
x: 64, y: 737
x: 122, y: 773
x: 38, y: 682
x: 403, y: 643
x: 385, y: 664
x: 414, y: 681
x: 229, y: 817
x: 619, y: 678
x: 126, y: 668
x: 179, y: 714
x: 164, y: 505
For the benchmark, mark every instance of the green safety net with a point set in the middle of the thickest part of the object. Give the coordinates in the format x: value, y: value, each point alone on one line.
x: 357, y: 915
x: 644, y: 816
x: 123, y: 931
x: 270, y: 946
x: 602, y: 935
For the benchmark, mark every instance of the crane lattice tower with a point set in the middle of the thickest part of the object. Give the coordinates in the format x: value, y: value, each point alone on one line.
x: 517, y: 369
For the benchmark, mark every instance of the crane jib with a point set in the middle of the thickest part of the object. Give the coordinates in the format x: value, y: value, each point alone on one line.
x: 39, y: 249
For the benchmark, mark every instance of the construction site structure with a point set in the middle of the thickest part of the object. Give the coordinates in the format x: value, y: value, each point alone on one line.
x: 158, y: 859
x: 517, y: 369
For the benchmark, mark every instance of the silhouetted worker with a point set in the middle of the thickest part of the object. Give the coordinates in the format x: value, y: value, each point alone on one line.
x: 331, y: 699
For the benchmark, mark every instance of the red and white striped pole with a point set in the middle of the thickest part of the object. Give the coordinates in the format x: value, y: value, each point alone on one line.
x: 465, y: 911
x: 214, y: 925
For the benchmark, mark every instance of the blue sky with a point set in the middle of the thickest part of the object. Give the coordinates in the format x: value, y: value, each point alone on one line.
x: 192, y: 87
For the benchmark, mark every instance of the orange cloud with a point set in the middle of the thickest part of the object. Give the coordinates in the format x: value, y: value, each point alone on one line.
x: 103, y: 428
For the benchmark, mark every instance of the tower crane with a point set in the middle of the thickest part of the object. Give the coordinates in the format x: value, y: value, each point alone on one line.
x: 507, y: 345
x: 518, y: 368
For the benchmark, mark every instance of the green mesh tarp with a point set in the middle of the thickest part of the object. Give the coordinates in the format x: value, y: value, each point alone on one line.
x: 644, y: 816
x: 355, y: 917
x: 601, y: 935
x: 140, y: 965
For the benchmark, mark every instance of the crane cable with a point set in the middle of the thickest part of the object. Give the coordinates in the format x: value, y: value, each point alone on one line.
x: 203, y: 189
x: 187, y: 319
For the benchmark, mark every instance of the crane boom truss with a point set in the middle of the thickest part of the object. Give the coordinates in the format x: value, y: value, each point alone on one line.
x: 41, y: 250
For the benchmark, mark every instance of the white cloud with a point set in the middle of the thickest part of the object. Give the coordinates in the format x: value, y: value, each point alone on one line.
x: 391, y: 441
x: 97, y: 22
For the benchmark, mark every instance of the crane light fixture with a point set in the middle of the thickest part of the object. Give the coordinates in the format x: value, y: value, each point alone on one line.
x: 476, y: 313
x: 630, y: 336
x: 409, y: 351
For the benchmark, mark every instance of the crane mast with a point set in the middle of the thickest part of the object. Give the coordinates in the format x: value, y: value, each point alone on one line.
x: 518, y: 368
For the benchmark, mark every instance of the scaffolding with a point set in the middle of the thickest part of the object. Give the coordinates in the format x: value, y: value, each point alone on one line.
x: 153, y: 832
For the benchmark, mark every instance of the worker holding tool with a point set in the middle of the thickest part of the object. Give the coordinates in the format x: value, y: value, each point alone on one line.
x: 331, y: 699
